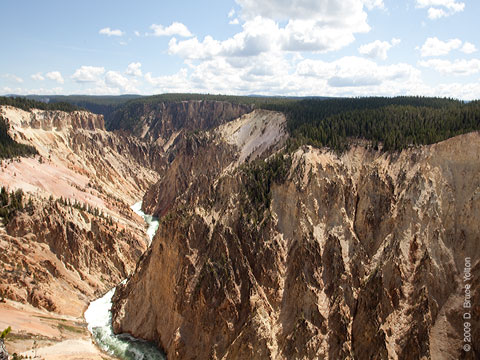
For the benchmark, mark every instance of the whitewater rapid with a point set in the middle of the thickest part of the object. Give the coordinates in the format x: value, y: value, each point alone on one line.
x: 99, y: 318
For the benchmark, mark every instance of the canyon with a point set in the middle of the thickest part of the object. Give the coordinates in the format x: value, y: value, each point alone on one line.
x: 355, y: 256
x: 260, y: 253
x: 76, y: 237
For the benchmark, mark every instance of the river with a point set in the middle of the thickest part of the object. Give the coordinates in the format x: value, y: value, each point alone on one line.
x: 99, y: 318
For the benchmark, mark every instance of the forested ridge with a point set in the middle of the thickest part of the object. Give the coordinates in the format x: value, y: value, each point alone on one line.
x: 395, y: 123
x: 391, y: 124
x: 28, y: 104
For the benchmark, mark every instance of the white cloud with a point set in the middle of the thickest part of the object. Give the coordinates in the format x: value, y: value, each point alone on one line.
x: 466, y: 91
x: 114, y: 79
x: 37, y: 77
x: 110, y: 32
x: 435, y: 47
x: 134, y: 69
x: 311, y: 25
x: 30, y: 91
x: 137, y: 33
x: 231, y: 14
x: 281, y: 73
x: 88, y: 74
x: 378, y: 49
x: 434, y: 13
x: 309, y: 35
x: 440, y: 8
x: 457, y: 67
x: 371, y: 4
x: 193, y: 49
x: 353, y: 71
x: 178, y: 82
x: 13, y: 78
x: 234, y: 22
x: 449, y: 4
x: 175, y: 28
x: 342, y: 12
x: 468, y: 48
x: 56, y: 76
x: 260, y: 35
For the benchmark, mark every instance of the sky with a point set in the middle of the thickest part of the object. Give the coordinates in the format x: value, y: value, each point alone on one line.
x: 241, y: 47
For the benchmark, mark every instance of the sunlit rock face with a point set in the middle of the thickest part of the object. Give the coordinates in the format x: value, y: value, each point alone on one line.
x: 76, y: 236
x: 358, y: 256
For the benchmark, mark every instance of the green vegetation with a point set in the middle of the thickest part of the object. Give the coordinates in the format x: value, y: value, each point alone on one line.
x: 9, y: 148
x: 5, y: 333
x: 75, y: 329
x: 259, y: 176
x: 127, y: 116
x: 28, y: 104
x: 10, y: 203
x: 84, y: 207
x: 395, y: 122
x: 247, y: 100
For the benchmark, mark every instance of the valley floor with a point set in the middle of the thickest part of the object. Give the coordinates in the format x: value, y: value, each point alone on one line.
x: 46, y: 335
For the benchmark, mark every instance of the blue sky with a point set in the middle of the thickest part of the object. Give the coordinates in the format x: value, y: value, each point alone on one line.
x: 270, y: 47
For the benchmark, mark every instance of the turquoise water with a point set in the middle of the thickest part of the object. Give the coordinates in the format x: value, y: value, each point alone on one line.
x: 99, y: 319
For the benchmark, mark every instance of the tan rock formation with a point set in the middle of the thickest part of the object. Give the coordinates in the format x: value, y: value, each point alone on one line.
x: 58, y: 258
x: 77, y: 237
x: 79, y: 159
x: 357, y: 257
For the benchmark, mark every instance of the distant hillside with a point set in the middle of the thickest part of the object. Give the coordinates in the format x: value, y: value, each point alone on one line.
x: 105, y: 105
x: 127, y: 117
x: 396, y: 122
x: 29, y: 103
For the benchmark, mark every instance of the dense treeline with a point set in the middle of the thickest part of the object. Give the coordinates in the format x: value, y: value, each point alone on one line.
x: 234, y: 99
x: 332, y: 122
x: 28, y: 104
x: 10, y: 203
x: 395, y: 122
x: 9, y: 148
x: 259, y: 177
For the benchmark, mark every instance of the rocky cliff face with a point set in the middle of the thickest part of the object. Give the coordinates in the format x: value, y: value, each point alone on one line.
x: 57, y: 257
x: 197, y: 158
x: 76, y: 147
x: 59, y: 120
x: 354, y: 257
x: 3, y: 351
x: 77, y: 237
x: 160, y: 121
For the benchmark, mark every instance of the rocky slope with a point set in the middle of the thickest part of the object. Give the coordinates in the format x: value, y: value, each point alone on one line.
x: 354, y: 257
x: 197, y: 158
x: 79, y: 156
x: 58, y: 257
x: 76, y: 236
x: 162, y: 121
